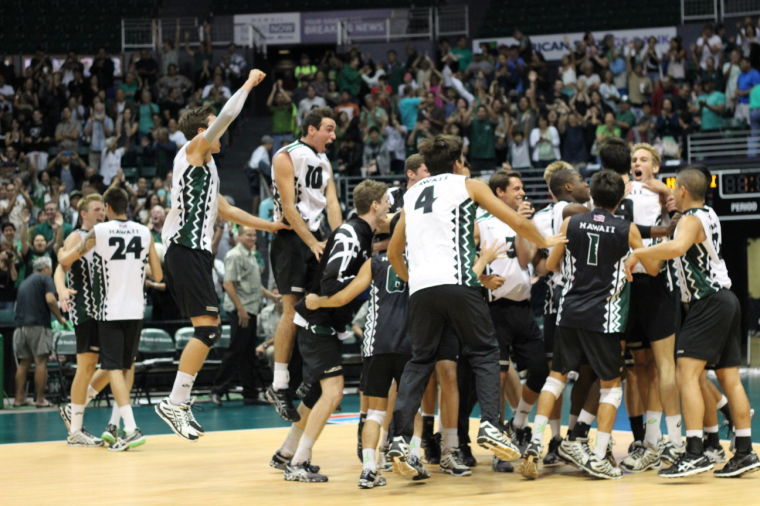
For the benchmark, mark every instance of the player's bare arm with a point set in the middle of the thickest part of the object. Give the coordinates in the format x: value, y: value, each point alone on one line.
x: 68, y: 257
x: 634, y: 241
x: 156, y: 273
x: 688, y: 233
x: 554, y: 261
x: 237, y: 215
x: 71, y: 243
x: 64, y: 292
x: 334, y: 215
x: 396, y: 249
x: 339, y: 299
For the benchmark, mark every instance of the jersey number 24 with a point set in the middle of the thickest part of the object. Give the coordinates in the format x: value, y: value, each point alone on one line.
x: 123, y: 248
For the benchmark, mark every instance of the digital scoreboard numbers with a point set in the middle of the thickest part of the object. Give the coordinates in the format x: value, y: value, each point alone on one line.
x: 734, y: 194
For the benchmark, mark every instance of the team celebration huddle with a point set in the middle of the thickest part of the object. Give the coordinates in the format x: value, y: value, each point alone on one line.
x: 636, y: 300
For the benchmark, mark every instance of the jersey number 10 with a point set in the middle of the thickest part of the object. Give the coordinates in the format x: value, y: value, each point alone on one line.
x: 314, y: 177
x: 122, y: 248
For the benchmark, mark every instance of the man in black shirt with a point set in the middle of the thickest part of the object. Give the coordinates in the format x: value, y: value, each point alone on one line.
x: 32, y: 339
x: 348, y: 247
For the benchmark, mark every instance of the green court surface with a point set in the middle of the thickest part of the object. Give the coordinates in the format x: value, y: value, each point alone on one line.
x: 31, y: 425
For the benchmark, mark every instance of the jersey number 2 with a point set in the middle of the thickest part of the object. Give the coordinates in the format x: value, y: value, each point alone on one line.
x: 425, y: 200
x: 593, y: 248
x: 122, y: 248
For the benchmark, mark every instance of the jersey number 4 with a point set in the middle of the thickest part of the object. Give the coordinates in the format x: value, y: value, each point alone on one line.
x: 593, y: 249
x: 314, y: 177
x: 425, y: 200
x: 122, y: 248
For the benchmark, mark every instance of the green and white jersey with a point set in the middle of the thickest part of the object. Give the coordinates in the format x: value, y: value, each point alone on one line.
x: 440, y: 230
x: 195, y: 190
x: 702, y: 271
x: 83, y: 303
x: 516, y: 285
x: 121, y: 252
x: 548, y: 221
x: 311, y: 171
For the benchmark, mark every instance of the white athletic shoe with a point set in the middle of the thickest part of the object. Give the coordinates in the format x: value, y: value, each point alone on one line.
x: 178, y: 418
x: 83, y: 438
x: 643, y: 458
x: 452, y: 464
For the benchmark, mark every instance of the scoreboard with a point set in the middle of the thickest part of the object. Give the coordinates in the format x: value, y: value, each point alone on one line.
x: 734, y: 194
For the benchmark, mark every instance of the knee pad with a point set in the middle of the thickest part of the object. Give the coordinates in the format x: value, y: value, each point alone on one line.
x: 312, y: 396
x: 537, y: 375
x: 375, y: 415
x: 553, y: 386
x: 612, y: 396
x: 208, y: 335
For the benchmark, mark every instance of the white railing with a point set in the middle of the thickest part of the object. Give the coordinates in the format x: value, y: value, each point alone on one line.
x: 452, y: 20
x: 722, y: 144
x: 399, y: 25
x: 149, y: 33
x: 692, y: 10
x: 737, y: 8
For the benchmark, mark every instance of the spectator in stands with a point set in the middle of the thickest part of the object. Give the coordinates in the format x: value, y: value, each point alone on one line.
x: 33, y: 339
x: 349, y: 79
x: 126, y: 129
x: 624, y: 118
x: 308, y: 103
x: 668, y: 122
x: 53, y: 230
x: 98, y: 128
x: 372, y: 115
x: 748, y: 78
x: 482, y: 138
x: 639, y: 86
x: 574, y: 147
x: 173, y: 80
x: 156, y: 222
x: 259, y: 166
x: 6, y: 90
x: 544, y: 142
x: 753, y: 148
x: 589, y: 77
x: 607, y: 129
x: 216, y: 86
x: 68, y: 131
x: 711, y: 105
x: 37, y: 141
x: 8, y: 276
x: 376, y: 157
x: 305, y: 69
x: 130, y: 85
x: 145, y: 114
x: 731, y: 70
x: 147, y: 67
x: 69, y: 168
x: 176, y: 135
x: 168, y: 51
x: 283, y: 116
x: 641, y: 132
x: 708, y: 45
x: 15, y: 203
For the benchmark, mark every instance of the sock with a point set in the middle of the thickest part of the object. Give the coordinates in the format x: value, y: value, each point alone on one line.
x: 539, y: 427
x: 674, y: 429
x: 723, y: 407
x: 694, y: 444
x: 743, y: 440
x: 580, y: 430
x: 586, y: 417
x: 652, y: 433
x: 303, y: 452
x: 281, y: 378
x: 115, y: 415
x: 554, y: 424
x: 521, y: 415
x: 129, y: 418
x: 77, y: 417
x: 290, y: 444
x: 571, y: 422
x: 449, y: 439
x: 414, y: 446
x: 183, y: 386
x: 91, y: 394
x: 368, y: 459
x: 602, y: 440
x: 428, y: 426
x: 383, y: 439
x: 711, y: 437
x: 637, y: 427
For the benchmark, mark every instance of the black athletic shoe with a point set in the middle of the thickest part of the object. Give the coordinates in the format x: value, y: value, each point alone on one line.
x: 405, y: 464
x: 740, y: 463
x: 552, y: 457
x: 501, y: 466
x: 371, y: 479
x: 688, y: 464
x: 432, y: 449
x: 282, y: 404
x: 468, y: 459
x: 302, y: 390
x: 303, y: 473
x: 279, y: 461
x: 522, y: 438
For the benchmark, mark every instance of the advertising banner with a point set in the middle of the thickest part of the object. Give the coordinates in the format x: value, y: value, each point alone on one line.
x: 277, y: 27
x: 321, y: 27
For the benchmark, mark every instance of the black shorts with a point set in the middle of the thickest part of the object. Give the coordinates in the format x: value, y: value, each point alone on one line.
x: 711, y: 331
x: 295, y: 268
x: 449, y: 347
x: 653, y: 311
x: 576, y: 347
x: 379, y: 371
x: 87, y: 337
x: 321, y: 354
x: 550, y: 330
x: 118, y: 343
x: 189, y: 278
x: 516, y: 331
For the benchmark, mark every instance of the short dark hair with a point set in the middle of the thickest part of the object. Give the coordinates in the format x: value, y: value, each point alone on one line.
x: 315, y: 116
x: 694, y: 181
x: 440, y: 153
x: 615, y: 155
x: 607, y: 189
x: 413, y: 162
x: 117, y: 199
x: 367, y: 192
x: 193, y: 119
x: 560, y: 179
x: 500, y: 179
x: 6, y: 225
x: 701, y: 167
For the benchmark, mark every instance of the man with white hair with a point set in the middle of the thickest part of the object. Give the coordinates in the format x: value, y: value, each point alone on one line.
x: 98, y: 128
x: 33, y: 339
x: 110, y: 161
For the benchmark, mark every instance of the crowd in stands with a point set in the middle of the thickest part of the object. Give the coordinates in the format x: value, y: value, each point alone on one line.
x: 69, y: 130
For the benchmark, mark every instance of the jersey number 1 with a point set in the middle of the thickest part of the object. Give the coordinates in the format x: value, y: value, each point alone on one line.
x: 593, y: 248
x: 122, y: 248
x: 425, y: 200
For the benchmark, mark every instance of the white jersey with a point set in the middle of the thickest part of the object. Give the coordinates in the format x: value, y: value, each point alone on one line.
x: 548, y: 221
x: 516, y: 285
x: 195, y: 191
x: 311, y: 171
x: 121, y: 252
x: 647, y: 211
x: 440, y: 230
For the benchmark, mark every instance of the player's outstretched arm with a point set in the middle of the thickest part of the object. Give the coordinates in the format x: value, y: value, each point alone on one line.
x: 237, y: 215
x: 554, y: 261
x: 688, y: 233
x: 634, y: 241
x: 396, y: 249
x: 334, y: 214
x: 156, y: 272
x: 483, y: 196
x: 64, y: 292
x: 76, y: 249
x: 230, y: 111
x: 339, y: 299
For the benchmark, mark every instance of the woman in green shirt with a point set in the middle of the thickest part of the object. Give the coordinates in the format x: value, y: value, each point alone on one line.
x: 607, y: 129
